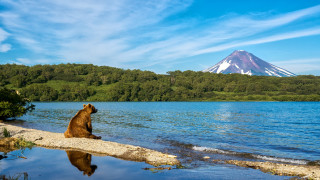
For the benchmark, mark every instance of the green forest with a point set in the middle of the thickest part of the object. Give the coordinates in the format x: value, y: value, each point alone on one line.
x: 87, y: 82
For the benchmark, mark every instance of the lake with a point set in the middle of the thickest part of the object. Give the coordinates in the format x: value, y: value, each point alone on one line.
x: 277, y: 131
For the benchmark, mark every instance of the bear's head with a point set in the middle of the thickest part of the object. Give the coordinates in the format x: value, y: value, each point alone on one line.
x: 90, y: 108
x: 90, y: 170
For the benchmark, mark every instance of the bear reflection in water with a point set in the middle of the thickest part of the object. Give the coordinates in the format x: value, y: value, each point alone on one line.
x: 82, y: 161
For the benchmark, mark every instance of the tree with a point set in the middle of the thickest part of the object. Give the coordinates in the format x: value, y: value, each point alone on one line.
x: 19, y: 81
x: 51, y: 83
x: 12, y: 104
x: 40, y: 92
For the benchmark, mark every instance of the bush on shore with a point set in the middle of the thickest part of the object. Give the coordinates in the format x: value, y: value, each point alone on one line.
x: 13, y: 105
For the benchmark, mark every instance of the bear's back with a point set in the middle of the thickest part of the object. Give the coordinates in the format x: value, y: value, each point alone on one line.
x: 82, y: 115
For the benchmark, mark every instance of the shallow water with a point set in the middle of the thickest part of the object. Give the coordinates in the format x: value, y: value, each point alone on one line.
x: 55, y: 164
x: 276, y: 131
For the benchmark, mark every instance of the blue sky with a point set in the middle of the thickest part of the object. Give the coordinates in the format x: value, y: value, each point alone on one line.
x: 160, y: 35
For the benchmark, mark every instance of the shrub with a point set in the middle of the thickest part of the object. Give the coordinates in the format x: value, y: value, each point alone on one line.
x: 6, y: 133
x: 12, y: 104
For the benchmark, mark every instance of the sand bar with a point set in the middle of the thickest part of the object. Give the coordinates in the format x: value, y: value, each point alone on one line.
x: 304, y: 171
x: 58, y: 141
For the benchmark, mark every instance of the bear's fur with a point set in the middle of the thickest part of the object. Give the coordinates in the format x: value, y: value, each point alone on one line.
x: 82, y: 161
x: 80, y: 125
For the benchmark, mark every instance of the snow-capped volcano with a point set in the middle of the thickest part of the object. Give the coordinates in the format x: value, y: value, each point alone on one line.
x: 243, y: 62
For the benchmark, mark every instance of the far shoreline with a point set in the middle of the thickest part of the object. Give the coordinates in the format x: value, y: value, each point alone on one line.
x: 165, y: 101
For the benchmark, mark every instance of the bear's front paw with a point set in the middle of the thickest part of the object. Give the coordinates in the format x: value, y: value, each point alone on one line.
x: 98, y: 137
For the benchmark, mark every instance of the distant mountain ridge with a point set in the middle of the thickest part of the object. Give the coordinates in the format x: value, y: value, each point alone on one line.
x: 242, y: 62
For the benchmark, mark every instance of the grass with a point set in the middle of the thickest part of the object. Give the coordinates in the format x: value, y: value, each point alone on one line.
x: 101, y: 92
x: 58, y: 84
x: 16, y: 176
x: 23, y: 144
x: 6, y: 133
x: 104, y: 93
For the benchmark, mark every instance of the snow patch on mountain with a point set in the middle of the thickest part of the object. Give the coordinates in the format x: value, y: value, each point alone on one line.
x: 223, y: 66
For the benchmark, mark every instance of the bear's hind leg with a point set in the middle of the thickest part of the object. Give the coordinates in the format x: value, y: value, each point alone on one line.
x: 94, y: 136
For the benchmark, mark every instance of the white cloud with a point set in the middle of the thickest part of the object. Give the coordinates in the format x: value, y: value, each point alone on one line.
x: 3, y: 36
x: 23, y: 61
x: 278, y: 37
x: 85, y: 31
x: 5, y: 47
x: 279, y: 20
x: 125, y: 32
x: 300, y: 66
x: 224, y: 33
x: 27, y: 61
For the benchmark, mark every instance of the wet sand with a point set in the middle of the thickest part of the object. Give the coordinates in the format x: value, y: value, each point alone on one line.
x: 58, y: 141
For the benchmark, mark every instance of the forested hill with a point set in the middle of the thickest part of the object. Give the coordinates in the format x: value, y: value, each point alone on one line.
x: 86, y: 82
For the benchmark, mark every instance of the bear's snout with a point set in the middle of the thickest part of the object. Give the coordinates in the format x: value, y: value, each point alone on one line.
x: 95, y: 110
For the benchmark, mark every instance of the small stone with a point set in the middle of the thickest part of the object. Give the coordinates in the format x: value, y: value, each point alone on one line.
x: 172, y: 156
x: 206, y: 157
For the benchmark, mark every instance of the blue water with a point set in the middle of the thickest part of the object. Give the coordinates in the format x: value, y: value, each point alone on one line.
x: 276, y: 131
x: 54, y: 164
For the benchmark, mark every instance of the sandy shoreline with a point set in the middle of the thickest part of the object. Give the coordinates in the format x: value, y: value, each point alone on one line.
x: 304, y: 171
x: 58, y: 141
x: 135, y: 153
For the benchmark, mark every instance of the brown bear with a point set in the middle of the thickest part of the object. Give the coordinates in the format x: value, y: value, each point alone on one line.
x: 82, y: 161
x: 80, y: 125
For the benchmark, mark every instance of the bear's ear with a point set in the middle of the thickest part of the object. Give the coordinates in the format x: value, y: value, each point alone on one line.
x: 89, y: 105
x: 84, y: 105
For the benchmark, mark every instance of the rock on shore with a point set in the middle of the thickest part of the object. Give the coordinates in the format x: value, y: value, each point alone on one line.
x: 58, y: 141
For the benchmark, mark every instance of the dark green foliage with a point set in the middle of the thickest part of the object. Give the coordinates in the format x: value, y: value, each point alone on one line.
x: 6, y: 133
x: 74, y: 93
x: 12, y: 104
x: 40, y: 92
x: 86, y: 82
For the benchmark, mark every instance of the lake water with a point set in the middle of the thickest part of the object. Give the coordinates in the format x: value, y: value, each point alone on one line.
x: 275, y: 131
